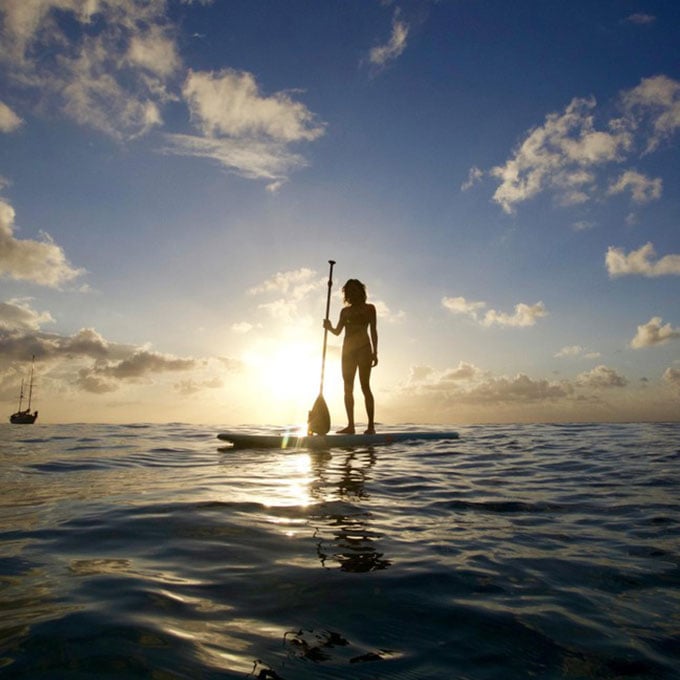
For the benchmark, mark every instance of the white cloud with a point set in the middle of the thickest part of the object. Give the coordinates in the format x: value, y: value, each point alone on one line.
x: 282, y: 309
x: 642, y: 188
x: 559, y: 155
x: 242, y: 327
x: 94, y: 97
x: 296, y: 282
x: 116, y: 67
x: 654, y: 333
x: 523, y: 315
x: 601, y: 377
x: 229, y: 103
x: 294, y: 288
x: 653, y: 109
x: 9, y: 121
x: 384, y: 313
x: 243, y: 130
x: 41, y: 262
x: 576, y: 351
x: 154, y: 51
x: 427, y: 378
x: 383, y: 54
x: 463, y: 372
x: 109, y: 70
x: 459, y: 305
x: 640, y: 262
x: 520, y: 388
x: 566, y: 153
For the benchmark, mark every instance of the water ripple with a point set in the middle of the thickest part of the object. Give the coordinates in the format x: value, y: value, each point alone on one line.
x: 517, y: 551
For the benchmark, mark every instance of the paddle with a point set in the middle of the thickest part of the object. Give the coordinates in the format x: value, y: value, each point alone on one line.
x: 319, y: 418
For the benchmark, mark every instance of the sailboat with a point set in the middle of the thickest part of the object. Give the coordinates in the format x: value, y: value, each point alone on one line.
x: 25, y: 417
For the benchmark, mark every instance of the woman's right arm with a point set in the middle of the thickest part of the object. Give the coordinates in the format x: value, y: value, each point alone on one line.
x: 338, y: 329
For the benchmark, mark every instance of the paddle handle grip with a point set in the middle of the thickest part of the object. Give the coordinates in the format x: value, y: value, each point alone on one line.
x: 330, y: 285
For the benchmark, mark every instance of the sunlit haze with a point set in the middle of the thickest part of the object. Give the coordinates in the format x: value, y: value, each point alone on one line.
x: 176, y: 174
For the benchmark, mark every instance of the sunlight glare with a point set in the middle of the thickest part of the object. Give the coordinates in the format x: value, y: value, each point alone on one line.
x: 292, y: 370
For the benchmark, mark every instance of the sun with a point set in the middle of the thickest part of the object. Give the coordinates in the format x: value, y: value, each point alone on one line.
x: 288, y: 377
x: 293, y: 368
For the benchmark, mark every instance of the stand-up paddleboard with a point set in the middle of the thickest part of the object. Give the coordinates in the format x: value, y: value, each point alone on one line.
x: 239, y: 440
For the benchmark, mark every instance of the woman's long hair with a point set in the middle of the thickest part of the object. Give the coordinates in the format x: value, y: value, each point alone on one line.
x: 354, y: 292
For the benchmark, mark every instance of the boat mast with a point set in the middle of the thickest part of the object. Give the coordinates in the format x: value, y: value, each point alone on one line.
x: 21, y: 395
x: 30, y: 385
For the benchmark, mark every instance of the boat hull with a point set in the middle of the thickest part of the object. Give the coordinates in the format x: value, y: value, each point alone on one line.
x: 23, y: 418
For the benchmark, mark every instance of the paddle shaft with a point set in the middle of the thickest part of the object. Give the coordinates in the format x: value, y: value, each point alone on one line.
x: 325, y: 330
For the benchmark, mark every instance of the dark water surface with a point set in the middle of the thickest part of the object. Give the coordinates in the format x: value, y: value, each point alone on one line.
x: 529, y: 551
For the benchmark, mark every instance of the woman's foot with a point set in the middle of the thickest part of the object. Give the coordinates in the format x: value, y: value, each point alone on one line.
x: 370, y: 430
x: 347, y: 430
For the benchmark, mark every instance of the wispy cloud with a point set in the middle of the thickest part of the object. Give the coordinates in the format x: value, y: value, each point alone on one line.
x: 40, y: 262
x: 654, y: 333
x: 385, y: 314
x: 252, y: 159
x: 242, y: 327
x: 382, y: 55
x: 292, y: 290
x: 522, y: 316
x: 576, y: 351
x: 109, y: 70
x: 243, y: 130
x: 296, y: 283
x: 641, y: 19
x: 474, y: 177
x: 119, y: 65
x: 640, y: 262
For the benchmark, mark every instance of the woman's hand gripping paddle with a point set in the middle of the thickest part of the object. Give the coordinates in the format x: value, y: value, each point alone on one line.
x: 319, y: 418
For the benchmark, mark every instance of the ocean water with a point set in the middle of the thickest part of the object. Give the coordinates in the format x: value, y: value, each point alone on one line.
x: 528, y: 551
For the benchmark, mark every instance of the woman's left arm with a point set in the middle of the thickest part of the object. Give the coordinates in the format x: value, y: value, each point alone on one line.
x: 373, y: 327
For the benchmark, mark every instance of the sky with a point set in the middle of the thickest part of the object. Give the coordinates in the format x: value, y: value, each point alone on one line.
x: 175, y: 176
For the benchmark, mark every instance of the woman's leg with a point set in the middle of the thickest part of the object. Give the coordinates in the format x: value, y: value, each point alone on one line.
x: 365, y: 381
x: 349, y: 369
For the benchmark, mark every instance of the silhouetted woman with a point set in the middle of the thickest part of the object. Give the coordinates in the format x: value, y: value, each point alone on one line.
x: 359, y: 350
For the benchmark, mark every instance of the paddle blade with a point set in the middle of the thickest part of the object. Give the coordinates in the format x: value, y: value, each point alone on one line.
x: 319, y: 420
